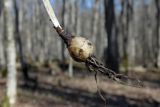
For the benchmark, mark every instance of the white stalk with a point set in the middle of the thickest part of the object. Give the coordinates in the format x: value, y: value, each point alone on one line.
x: 51, y: 13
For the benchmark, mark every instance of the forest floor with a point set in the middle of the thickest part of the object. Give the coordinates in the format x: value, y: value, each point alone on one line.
x: 55, y: 89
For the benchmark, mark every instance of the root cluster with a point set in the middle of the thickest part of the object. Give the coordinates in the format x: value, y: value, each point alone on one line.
x: 95, y: 66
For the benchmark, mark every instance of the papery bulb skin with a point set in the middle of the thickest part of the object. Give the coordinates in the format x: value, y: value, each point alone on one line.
x: 80, y: 48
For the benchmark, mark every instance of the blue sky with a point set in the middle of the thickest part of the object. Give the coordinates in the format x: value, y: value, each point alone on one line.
x: 89, y: 3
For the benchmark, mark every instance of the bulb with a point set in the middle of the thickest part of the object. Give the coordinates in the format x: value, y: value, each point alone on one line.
x: 80, y: 48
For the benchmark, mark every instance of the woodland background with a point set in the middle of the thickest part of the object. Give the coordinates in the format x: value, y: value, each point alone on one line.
x: 126, y: 34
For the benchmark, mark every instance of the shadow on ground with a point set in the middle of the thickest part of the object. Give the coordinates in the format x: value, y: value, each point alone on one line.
x: 89, y: 99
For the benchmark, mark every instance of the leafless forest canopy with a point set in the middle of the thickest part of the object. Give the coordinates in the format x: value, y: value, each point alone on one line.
x: 136, y: 23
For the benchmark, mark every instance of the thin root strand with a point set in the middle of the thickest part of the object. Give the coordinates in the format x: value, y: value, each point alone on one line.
x: 93, y: 65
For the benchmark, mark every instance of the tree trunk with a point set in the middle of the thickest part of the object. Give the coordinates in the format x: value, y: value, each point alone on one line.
x: 77, y: 18
x: 157, y: 30
x: 131, y: 38
x: 94, y: 26
x: 2, y: 56
x: 126, y: 17
x: 64, y: 23
x: 112, y: 59
x: 19, y: 42
x: 144, y: 35
x: 11, y: 53
x: 124, y: 36
x: 73, y: 30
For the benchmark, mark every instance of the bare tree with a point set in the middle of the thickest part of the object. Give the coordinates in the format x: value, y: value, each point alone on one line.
x: 95, y: 22
x: 75, y: 26
x: 2, y: 56
x: 131, y: 29
x: 143, y: 32
x: 64, y: 23
x: 145, y: 40
x: 126, y: 17
x: 77, y: 17
x: 72, y: 28
x: 94, y: 29
x: 112, y: 59
x: 157, y: 32
x: 19, y: 42
x: 11, y: 52
x: 101, y: 33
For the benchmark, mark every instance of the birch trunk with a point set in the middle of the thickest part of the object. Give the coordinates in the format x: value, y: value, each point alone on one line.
x: 11, y: 53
